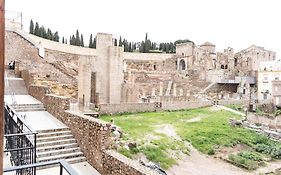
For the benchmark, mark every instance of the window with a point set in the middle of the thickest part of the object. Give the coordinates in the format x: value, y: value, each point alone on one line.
x: 235, y: 62
x: 265, y: 96
x: 225, y: 66
x: 222, y: 66
x: 154, y: 67
x: 265, y: 80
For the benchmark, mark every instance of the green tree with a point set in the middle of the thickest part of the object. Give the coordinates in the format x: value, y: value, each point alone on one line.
x: 115, y: 42
x: 82, y: 41
x: 31, y: 27
x: 56, y: 37
x: 77, y: 39
x: 120, y: 41
x: 36, y: 30
x: 91, y: 41
x: 95, y: 43
x: 63, y: 39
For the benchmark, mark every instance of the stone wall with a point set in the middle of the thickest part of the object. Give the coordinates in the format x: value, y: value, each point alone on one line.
x: 126, y: 107
x: 129, y: 56
x: 272, y: 122
x: 150, y: 107
x: 185, y: 105
x: 230, y: 102
x: 116, y: 163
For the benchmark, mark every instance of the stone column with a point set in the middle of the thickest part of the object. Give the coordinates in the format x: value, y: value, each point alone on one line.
x: 175, y: 89
x: 161, y: 89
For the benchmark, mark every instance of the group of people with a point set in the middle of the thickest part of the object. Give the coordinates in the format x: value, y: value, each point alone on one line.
x: 12, y: 65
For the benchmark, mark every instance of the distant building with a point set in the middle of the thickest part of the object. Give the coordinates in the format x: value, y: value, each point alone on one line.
x: 269, y: 81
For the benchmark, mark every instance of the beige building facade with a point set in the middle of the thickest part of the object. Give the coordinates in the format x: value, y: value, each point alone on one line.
x: 269, y: 77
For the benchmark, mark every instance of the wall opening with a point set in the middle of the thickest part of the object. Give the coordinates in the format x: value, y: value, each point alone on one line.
x: 222, y: 66
x: 182, y: 65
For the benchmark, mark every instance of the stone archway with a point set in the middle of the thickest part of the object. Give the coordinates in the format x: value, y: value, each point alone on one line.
x: 182, y: 65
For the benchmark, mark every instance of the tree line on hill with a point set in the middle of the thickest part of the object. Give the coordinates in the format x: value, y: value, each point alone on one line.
x: 146, y: 46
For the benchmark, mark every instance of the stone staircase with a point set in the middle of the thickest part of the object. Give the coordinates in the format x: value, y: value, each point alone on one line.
x: 58, y: 144
x: 28, y: 107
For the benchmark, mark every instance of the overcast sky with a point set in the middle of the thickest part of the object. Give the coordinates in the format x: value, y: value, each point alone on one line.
x: 234, y: 23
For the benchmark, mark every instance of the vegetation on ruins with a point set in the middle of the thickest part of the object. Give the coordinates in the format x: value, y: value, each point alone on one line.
x: 77, y: 39
x: 208, y: 131
x: 42, y: 32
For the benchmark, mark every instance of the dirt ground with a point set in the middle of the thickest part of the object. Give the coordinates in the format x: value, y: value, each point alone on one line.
x: 200, y: 164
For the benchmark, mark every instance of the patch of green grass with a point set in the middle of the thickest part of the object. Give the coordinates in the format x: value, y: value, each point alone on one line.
x: 158, y: 156
x: 243, y: 162
x: 237, y: 107
x: 207, y: 135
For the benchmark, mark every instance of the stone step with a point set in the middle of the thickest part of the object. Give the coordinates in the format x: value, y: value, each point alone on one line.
x: 76, y: 160
x: 61, y: 156
x: 29, y: 109
x: 53, y: 138
x: 51, y: 134
x: 56, y: 142
x: 70, y: 161
x: 56, y: 147
x: 52, y: 130
x: 57, y: 152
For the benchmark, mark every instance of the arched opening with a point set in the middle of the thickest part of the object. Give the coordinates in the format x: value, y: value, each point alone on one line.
x: 235, y: 62
x: 154, y: 67
x: 222, y: 66
x: 182, y: 65
x: 225, y: 66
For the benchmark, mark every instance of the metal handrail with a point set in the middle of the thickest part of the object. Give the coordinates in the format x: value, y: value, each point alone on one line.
x: 63, y: 166
x: 19, y: 118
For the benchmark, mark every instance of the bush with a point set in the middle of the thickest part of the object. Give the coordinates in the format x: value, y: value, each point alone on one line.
x: 243, y: 162
x: 251, y: 156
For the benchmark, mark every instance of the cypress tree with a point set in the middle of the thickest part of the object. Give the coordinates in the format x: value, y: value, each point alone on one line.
x: 63, y: 39
x: 91, y: 41
x: 31, y: 27
x: 82, y: 41
x: 56, y: 37
x: 120, y: 41
x: 36, y: 30
x: 77, y: 39
x: 95, y: 43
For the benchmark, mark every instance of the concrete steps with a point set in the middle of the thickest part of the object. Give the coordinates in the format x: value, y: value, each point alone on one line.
x: 58, y: 144
x: 28, y: 107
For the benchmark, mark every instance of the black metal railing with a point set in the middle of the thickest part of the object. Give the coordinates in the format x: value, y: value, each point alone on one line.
x: 64, y: 167
x: 20, y: 142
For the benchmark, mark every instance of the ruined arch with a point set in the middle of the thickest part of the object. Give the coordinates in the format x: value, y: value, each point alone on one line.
x: 182, y: 65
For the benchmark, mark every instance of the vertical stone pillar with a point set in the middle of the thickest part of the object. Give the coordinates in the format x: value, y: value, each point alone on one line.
x: 153, y: 92
x: 175, y: 89
x: 161, y: 89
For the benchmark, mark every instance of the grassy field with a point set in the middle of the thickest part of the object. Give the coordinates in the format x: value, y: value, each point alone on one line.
x: 206, y: 129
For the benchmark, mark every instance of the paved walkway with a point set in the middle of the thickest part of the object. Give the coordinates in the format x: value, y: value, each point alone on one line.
x: 21, y: 99
x: 41, y: 120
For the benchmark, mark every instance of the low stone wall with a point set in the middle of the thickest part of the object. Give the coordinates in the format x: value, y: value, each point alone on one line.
x: 150, y: 107
x: 115, y: 163
x: 230, y: 102
x: 271, y: 122
x: 126, y: 107
x: 185, y: 105
x: 38, y: 92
